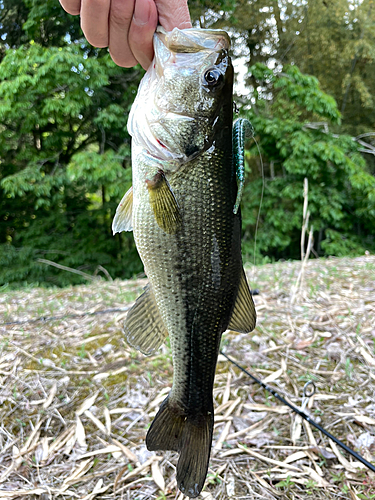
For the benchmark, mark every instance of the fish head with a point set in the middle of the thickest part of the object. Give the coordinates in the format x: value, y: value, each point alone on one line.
x: 181, y: 97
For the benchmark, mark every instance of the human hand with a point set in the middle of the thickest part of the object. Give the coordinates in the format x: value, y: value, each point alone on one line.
x: 127, y: 27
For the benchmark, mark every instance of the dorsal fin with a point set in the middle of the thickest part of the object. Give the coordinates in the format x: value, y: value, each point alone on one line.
x: 243, y: 318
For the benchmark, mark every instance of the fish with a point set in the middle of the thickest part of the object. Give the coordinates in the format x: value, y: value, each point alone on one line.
x: 184, y: 212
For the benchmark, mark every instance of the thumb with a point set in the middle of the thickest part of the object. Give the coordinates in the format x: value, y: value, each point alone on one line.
x: 173, y: 14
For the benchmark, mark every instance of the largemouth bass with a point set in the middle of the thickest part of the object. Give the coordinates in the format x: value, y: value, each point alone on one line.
x: 183, y: 209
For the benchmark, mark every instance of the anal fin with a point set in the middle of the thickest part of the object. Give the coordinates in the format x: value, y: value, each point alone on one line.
x: 243, y: 318
x: 122, y: 220
x: 144, y: 328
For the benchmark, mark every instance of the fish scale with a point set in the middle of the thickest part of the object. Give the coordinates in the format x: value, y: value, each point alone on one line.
x: 182, y: 275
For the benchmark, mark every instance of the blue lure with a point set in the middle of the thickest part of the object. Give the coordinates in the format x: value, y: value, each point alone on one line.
x: 242, y: 130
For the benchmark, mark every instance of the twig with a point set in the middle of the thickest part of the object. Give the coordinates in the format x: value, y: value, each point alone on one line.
x: 70, y: 269
x: 304, y: 256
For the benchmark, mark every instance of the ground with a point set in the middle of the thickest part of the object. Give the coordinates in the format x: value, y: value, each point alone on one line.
x: 76, y: 401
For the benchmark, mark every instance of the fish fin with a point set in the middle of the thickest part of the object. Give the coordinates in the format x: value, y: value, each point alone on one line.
x: 122, y: 220
x: 243, y: 318
x: 191, y: 436
x: 195, y: 448
x: 144, y: 328
x: 164, y: 204
x: 166, y: 429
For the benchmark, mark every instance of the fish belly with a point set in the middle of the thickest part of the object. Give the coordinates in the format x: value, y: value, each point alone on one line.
x: 194, y: 274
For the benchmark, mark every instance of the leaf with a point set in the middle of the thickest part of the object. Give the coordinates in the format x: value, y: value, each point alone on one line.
x: 87, y: 403
x: 157, y: 476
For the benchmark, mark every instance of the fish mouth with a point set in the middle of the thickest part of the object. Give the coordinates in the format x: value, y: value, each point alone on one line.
x: 193, y: 40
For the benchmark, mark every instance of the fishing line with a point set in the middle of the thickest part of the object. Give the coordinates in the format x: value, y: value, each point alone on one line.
x: 261, y: 198
x: 302, y: 414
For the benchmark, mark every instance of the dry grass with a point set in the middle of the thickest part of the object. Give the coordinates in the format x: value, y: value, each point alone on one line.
x: 76, y: 402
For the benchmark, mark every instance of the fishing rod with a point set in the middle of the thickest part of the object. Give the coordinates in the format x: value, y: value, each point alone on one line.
x: 300, y: 411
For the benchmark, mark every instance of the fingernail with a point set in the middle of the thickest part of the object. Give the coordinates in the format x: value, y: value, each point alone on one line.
x: 141, y: 15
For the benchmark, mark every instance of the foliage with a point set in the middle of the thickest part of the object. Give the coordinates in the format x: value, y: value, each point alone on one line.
x: 333, y: 41
x: 294, y: 145
x: 64, y: 159
x: 343, y: 32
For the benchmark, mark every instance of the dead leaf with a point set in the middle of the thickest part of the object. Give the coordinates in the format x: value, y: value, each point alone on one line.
x: 51, y: 395
x: 80, y: 435
x: 296, y: 429
x: 222, y: 438
x: 323, y: 452
x: 273, y: 376
x: 349, y: 466
x: 275, y: 409
x: 78, y: 472
x: 267, y: 459
x: 319, y: 481
x: 226, y: 393
x: 87, y: 404
x: 363, y: 419
x: 107, y: 417
x: 301, y: 344
x: 102, y: 451
x: 295, y: 456
x: 266, y: 485
x: 128, y: 453
x: 98, y: 488
x: 232, y: 407
x: 96, y: 421
x: 157, y: 476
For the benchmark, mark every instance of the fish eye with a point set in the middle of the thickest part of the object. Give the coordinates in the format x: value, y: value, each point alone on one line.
x: 213, y: 78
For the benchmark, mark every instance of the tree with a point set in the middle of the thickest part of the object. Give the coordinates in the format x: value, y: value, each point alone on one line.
x: 335, y: 41
x: 65, y: 152
x: 65, y: 156
x: 331, y: 40
x: 295, y: 146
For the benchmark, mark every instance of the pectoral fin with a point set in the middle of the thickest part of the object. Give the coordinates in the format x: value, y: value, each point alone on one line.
x: 243, y: 318
x: 123, y: 218
x: 164, y: 204
x: 144, y: 328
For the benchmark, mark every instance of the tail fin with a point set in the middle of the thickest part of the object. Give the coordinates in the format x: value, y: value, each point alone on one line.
x: 195, y: 451
x: 189, y: 435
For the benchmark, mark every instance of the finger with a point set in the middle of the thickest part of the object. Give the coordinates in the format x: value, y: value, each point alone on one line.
x: 173, y: 14
x: 71, y: 6
x: 141, y: 31
x: 120, y: 17
x: 94, y: 21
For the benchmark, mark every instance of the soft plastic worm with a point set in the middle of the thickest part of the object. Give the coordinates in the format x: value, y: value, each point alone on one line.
x: 242, y: 130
